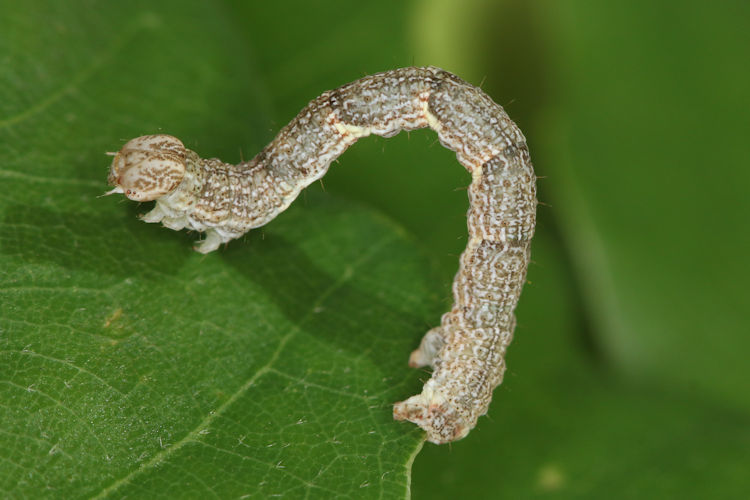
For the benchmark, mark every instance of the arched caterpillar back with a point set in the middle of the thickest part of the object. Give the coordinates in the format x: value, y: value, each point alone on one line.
x: 467, y: 350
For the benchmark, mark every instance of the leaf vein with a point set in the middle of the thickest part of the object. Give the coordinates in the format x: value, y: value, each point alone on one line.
x: 59, y: 403
x: 65, y: 362
x: 197, y: 432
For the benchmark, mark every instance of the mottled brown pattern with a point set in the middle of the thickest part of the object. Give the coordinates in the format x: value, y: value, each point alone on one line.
x: 467, y: 350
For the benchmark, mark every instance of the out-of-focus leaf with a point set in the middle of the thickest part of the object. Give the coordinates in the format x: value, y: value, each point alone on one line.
x: 626, y: 376
x: 653, y: 194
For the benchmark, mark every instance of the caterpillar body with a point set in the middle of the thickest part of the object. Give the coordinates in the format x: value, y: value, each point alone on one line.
x: 467, y: 350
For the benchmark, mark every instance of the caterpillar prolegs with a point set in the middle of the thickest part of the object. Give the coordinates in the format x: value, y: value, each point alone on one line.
x: 467, y: 350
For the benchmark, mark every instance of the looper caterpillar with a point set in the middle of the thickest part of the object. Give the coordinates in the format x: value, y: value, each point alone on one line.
x: 467, y: 350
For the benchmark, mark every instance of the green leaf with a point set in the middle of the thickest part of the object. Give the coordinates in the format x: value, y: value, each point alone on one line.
x: 132, y: 366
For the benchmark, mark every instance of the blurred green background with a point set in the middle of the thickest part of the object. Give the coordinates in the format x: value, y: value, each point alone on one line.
x: 628, y: 376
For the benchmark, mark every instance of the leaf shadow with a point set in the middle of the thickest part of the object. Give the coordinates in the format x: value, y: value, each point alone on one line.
x: 103, y: 243
x: 331, y: 309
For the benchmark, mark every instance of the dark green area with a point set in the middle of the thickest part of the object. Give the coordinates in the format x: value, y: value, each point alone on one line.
x: 628, y: 375
x: 131, y: 366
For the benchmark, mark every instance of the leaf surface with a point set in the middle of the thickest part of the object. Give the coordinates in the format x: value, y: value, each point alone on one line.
x: 131, y: 365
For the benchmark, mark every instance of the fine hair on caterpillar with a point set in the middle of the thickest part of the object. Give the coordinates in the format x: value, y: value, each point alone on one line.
x: 467, y: 350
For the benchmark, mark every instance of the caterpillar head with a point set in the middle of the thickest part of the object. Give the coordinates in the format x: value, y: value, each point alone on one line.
x: 148, y: 167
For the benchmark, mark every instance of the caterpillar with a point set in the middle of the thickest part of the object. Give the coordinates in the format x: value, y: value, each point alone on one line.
x: 467, y: 351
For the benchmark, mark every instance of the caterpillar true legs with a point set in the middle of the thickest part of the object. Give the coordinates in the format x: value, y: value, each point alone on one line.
x: 467, y: 350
